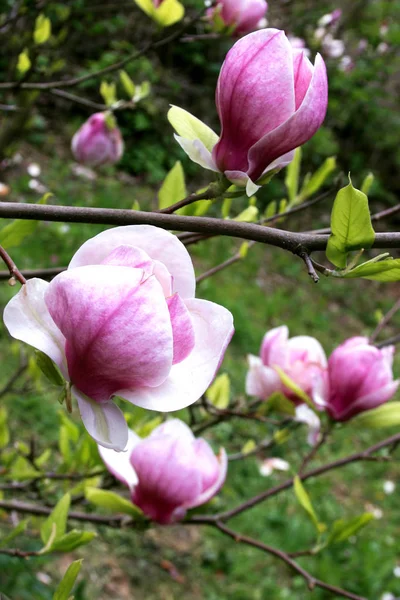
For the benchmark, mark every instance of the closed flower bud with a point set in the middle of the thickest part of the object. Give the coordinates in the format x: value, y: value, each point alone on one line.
x: 270, y: 100
x: 123, y: 321
x: 98, y: 141
x: 360, y: 378
x: 168, y: 472
x: 301, y: 358
x: 240, y: 16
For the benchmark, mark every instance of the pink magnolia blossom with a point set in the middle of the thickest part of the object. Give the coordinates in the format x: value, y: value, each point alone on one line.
x: 168, y: 472
x: 97, y: 142
x: 243, y: 16
x: 123, y: 321
x: 270, y: 100
x: 360, y: 378
x: 330, y: 18
x: 301, y: 358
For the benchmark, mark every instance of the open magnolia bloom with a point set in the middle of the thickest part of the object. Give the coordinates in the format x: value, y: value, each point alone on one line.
x: 270, y: 100
x: 168, y: 472
x: 123, y: 321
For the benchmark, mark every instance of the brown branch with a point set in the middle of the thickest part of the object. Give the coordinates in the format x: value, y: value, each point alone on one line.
x: 265, y: 445
x: 392, y: 340
x: 209, y: 194
x: 384, y: 321
x: 287, y: 240
x: 310, y: 267
x: 310, y: 580
x: 19, y: 553
x: 12, y: 267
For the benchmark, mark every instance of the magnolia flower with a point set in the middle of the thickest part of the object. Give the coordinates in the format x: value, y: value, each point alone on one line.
x: 300, y: 358
x: 330, y: 18
x: 270, y: 99
x: 98, y: 141
x: 168, y: 472
x: 123, y: 321
x: 333, y: 48
x: 360, y: 378
x: 241, y: 16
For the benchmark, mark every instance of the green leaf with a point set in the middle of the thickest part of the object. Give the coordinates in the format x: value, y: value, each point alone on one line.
x: 279, y: 403
x: 305, y: 501
x: 292, y: 176
x: 386, y: 415
x: 42, y: 29
x: 20, y: 528
x: 248, y: 447
x: 58, y: 517
x: 72, y: 540
x: 49, y: 369
x: 367, y: 183
x: 173, y: 188
x: 312, y: 184
x: 219, y: 391
x: 67, y: 583
x: 112, y: 502
x: 345, y: 528
x: 14, y: 233
x: 244, y: 249
x: 24, y: 62
x: 128, y: 84
x: 271, y: 210
x: 168, y: 13
x: 289, y: 383
x: 4, y: 432
x: 22, y: 469
x: 41, y: 460
x: 191, y: 128
x: 145, y: 428
x: 248, y: 215
x: 108, y: 92
x: 350, y: 224
x: 384, y: 270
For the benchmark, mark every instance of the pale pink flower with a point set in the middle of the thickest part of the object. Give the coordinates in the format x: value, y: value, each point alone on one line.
x: 242, y: 16
x: 168, y: 472
x: 123, y: 321
x: 360, y: 378
x: 97, y: 142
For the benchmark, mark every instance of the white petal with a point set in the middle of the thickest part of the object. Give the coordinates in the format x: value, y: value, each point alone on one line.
x: 197, y: 152
x: 119, y: 463
x: 104, y: 422
x: 27, y: 319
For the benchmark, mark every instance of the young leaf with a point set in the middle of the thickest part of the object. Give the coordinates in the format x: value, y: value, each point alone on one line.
x: 312, y: 184
x: 191, y: 128
x: 173, y: 188
x: 219, y: 391
x: 280, y: 403
x: 20, y: 528
x: 248, y: 215
x: 350, y: 224
x: 42, y: 29
x: 108, y: 92
x: 113, y: 502
x: 248, y: 447
x: 67, y: 583
x: 169, y: 12
x: 72, y: 540
x: 343, y: 528
x: 128, y: 84
x: 292, y: 176
x: 49, y: 369
x: 58, y: 517
x: 367, y: 183
x: 4, y: 432
x: 14, y: 233
x: 386, y: 415
x: 384, y: 270
x: 24, y: 62
x: 289, y: 383
x: 305, y: 501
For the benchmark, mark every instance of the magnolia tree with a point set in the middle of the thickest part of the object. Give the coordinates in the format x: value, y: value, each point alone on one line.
x: 122, y: 323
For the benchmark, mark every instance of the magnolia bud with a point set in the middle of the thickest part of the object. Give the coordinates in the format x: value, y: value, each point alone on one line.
x: 98, y: 141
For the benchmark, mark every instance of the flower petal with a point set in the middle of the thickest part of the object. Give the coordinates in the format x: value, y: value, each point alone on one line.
x: 104, y: 422
x: 27, y: 318
x: 117, y: 326
x: 130, y: 256
x: 188, y: 380
x: 303, y: 72
x: 197, y: 152
x: 182, y: 328
x: 157, y: 243
x: 215, y: 487
x: 119, y: 463
x: 261, y: 381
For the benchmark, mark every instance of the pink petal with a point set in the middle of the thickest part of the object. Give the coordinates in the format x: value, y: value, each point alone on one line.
x: 211, y: 491
x: 157, y: 243
x: 130, y: 256
x: 119, y: 463
x: 303, y: 72
x: 255, y: 94
x: 175, y: 428
x: 188, y: 380
x: 299, y: 128
x: 261, y: 381
x: 307, y: 348
x: 27, y: 318
x: 117, y: 327
x: 273, y: 349
x: 105, y: 423
x: 182, y: 328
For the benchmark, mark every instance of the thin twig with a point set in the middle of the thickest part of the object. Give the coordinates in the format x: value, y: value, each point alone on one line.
x: 389, y: 342
x: 12, y: 267
x: 384, y: 321
x: 310, y: 267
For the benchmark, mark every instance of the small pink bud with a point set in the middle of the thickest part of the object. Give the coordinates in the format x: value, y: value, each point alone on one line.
x: 168, y: 472
x: 98, y: 142
x: 301, y: 358
x: 360, y: 378
x: 270, y: 99
x: 244, y: 16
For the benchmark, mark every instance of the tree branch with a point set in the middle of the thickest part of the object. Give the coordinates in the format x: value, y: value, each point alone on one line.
x: 12, y: 267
